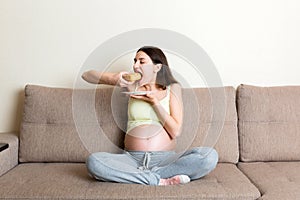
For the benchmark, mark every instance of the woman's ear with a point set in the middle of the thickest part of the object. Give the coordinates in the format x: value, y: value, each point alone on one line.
x: 157, y: 67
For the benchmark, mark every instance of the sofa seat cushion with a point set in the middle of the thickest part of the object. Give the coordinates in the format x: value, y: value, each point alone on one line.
x: 275, y: 180
x: 71, y: 181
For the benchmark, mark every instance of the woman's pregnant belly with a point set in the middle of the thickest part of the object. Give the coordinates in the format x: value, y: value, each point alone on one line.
x: 149, y: 138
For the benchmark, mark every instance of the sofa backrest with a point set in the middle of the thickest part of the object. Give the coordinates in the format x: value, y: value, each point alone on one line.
x: 66, y: 125
x: 50, y: 133
x: 213, y: 122
x: 269, y: 126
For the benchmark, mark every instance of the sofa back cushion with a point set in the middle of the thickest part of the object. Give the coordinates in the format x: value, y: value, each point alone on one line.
x: 213, y: 121
x: 269, y: 123
x: 65, y: 125
x: 62, y: 125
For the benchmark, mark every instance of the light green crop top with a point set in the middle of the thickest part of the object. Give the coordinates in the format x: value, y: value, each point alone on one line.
x: 141, y: 112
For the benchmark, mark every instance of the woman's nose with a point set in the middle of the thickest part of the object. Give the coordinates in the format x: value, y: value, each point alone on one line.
x: 136, y: 65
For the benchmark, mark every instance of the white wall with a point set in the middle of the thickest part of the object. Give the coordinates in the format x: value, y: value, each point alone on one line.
x: 45, y: 42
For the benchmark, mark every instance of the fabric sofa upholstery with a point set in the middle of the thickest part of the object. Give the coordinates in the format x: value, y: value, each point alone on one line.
x: 269, y: 123
x: 275, y: 180
x: 9, y: 157
x: 254, y: 129
x: 49, y: 132
x: 71, y: 181
x: 269, y: 130
x: 217, y: 131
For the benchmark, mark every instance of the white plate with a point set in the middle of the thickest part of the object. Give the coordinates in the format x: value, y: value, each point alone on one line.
x: 137, y: 92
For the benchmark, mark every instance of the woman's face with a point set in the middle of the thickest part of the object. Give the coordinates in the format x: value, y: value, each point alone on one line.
x: 144, y: 65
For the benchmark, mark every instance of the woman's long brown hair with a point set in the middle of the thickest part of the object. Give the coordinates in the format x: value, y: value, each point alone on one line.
x: 164, y: 76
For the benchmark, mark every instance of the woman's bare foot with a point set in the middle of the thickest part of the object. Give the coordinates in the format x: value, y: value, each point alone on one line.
x: 175, y: 180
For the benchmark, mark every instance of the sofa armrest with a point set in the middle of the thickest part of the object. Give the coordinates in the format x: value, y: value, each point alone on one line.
x: 9, y: 156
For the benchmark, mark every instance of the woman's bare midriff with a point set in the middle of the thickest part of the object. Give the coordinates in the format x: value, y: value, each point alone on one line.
x: 149, y: 138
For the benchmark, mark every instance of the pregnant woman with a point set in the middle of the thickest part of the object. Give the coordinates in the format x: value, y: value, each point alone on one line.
x: 155, y: 115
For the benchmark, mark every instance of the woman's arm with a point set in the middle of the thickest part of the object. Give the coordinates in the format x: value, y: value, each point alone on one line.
x: 172, y: 122
x: 97, y: 77
x: 107, y: 78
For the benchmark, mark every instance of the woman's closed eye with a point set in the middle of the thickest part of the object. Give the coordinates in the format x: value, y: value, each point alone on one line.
x: 141, y: 62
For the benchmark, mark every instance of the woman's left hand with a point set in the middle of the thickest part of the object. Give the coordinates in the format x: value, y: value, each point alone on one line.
x: 149, y: 97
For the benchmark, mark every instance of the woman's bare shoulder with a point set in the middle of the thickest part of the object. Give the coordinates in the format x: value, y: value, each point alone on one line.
x: 175, y: 87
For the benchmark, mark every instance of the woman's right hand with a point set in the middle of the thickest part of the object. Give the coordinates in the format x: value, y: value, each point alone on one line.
x: 124, y: 83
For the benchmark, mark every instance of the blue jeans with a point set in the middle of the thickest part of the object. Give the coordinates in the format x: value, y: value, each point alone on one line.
x: 149, y: 167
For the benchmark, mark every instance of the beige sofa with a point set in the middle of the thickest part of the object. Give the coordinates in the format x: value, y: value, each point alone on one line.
x: 259, y: 144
